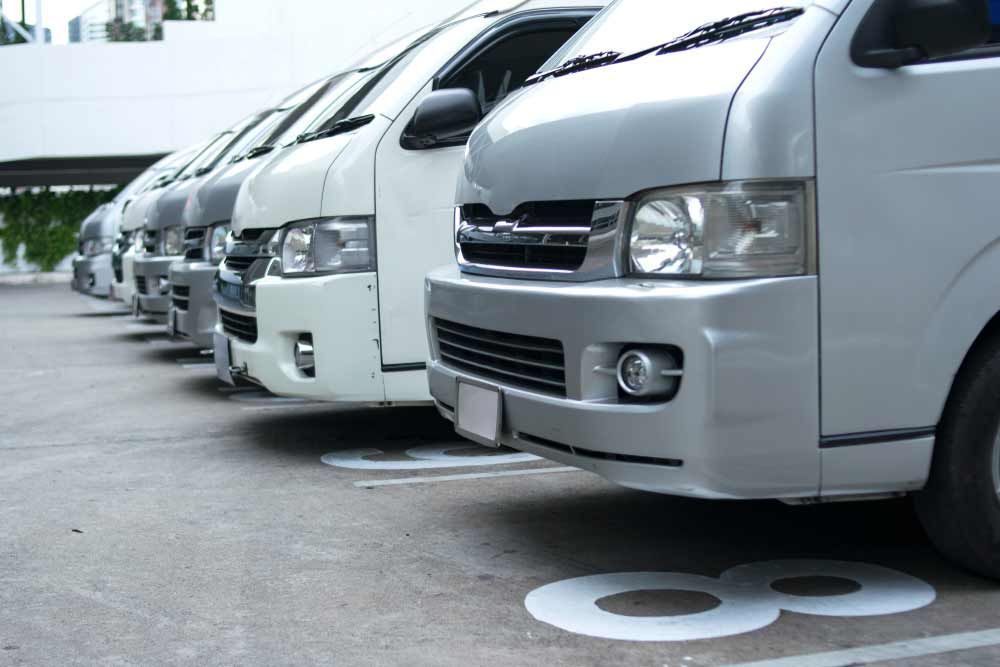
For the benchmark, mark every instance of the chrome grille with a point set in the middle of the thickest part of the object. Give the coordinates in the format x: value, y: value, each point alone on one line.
x: 180, y: 296
x: 568, y: 240
x: 194, y: 244
x: 242, y: 327
x: 140, y: 284
x: 526, y: 361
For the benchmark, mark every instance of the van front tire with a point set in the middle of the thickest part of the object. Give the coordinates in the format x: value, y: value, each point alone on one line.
x: 960, y: 506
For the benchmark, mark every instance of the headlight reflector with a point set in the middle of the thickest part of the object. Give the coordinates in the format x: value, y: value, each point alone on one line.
x: 330, y: 245
x: 727, y: 230
x: 173, y: 241
x: 215, y: 242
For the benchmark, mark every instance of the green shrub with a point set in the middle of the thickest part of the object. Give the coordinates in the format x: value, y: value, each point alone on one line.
x: 46, y: 223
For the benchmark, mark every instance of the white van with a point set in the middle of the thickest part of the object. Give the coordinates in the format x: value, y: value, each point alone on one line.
x: 209, y: 208
x: 358, y: 211
x: 756, y: 260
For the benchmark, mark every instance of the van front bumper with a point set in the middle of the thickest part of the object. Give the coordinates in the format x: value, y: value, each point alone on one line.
x: 193, y: 311
x: 339, y: 312
x: 744, y: 422
x: 93, y: 275
x: 152, y: 284
x: 125, y: 290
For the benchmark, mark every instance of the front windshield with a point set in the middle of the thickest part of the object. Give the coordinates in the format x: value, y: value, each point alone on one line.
x: 627, y: 26
x: 205, y: 155
x: 373, y: 68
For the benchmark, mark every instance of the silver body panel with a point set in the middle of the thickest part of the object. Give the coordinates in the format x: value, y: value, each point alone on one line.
x: 195, y: 317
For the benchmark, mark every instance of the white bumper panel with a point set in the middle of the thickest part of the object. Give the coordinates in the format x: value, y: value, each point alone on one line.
x: 341, y: 314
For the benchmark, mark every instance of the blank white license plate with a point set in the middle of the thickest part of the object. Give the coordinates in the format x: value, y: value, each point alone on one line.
x: 477, y: 415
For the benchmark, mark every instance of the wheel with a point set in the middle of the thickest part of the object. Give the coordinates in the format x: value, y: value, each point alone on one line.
x: 960, y: 506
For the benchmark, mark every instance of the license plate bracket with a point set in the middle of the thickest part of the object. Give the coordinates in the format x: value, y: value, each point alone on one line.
x: 479, y: 412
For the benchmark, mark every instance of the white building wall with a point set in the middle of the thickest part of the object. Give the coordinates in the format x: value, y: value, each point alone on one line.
x: 152, y: 97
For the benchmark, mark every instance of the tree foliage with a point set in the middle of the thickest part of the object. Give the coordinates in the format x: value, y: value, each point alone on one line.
x: 120, y: 31
x: 46, y: 223
x: 190, y: 10
x: 171, y: 11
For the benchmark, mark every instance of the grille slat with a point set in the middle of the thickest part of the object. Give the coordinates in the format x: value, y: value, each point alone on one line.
x: 140, y: 284
x: 527, y: 361
x: 514, y: 340
x: 442, y: 340
x: 238, y: 326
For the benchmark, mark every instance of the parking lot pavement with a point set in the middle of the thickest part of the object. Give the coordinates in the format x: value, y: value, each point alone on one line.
x: 150, y: 516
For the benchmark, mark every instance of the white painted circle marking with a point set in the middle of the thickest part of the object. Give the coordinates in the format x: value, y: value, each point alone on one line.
x: 422, y: 458
x: 748, y: 602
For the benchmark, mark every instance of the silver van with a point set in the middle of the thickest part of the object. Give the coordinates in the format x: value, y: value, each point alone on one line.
x: 162, y: 240
x: 730, y: 250
x: 92, y: 266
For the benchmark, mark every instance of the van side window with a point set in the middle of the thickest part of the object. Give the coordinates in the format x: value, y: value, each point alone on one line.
x: 504, y: 66
x: 995, y: 20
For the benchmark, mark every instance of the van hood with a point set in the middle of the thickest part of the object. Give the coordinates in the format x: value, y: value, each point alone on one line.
x: 97, y: 225
x: 213, y: 201
x: 168, y: 209
x: 609, y: 132
x: 290, y: 185
x: 134, y: 216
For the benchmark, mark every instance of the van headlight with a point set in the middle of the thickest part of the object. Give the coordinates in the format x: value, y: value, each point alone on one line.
x: 94, y: 247
x: 740, y: 229
x: 173, y: 241
x: 215, y: 242
x: 328, y: 245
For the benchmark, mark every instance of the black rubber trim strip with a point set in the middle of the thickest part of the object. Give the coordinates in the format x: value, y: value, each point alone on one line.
x: 875, y: 437
x: 402, y: 368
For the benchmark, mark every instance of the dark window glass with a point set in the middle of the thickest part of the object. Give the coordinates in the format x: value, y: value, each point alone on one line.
x: 504, y: 66
x: 995, y: 20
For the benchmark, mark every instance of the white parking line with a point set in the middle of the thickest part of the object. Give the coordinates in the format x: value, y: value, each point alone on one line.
x: 431, y: 479
x: 911, y: 648
x: 199, y: 367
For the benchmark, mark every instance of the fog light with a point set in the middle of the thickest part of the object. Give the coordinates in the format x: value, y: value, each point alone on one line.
x: 164, y: 285
x: 305, y: 360
x: 648, y: 373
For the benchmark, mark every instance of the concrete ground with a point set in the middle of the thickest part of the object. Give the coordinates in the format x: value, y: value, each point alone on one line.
x: 148, y: 516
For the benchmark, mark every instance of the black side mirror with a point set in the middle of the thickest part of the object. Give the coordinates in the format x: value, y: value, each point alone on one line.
x: 907, y: 31
x: 444, y: 118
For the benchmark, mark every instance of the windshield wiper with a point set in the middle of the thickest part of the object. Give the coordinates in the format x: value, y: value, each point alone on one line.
x: 339, y: 127
x: 709, y: 33
x: 259, y: 150
x: 577, y: 64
